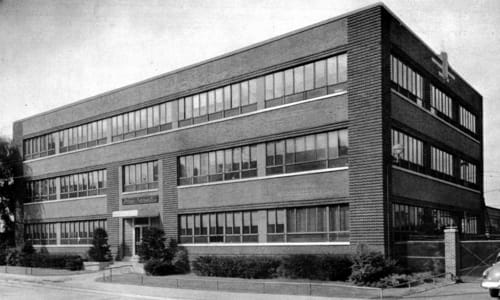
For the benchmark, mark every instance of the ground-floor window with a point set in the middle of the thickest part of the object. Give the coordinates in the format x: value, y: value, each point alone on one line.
x: 80, y: 232
x: 408, y: 220
x: 70, y: 233
x: 41, y: 234
x: 300, y: 224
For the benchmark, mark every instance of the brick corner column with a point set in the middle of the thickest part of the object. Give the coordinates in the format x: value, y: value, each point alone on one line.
x: 451, y: 253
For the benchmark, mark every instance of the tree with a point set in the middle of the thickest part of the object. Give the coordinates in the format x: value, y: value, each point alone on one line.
x: 12, y: 185
x: 100, y: 248
x: 153, y: 244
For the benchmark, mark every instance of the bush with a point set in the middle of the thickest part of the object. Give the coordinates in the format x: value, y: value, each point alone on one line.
x: 319, y: 267
x: 159, y: 267
x: 100, y: 248
x: 181, y: 261
x: 236, y: 266
x: 403, y: 280
x: 152, y: 245
x: 370, y: 266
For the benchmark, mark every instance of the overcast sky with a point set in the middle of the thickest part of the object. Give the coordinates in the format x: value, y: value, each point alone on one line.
x: 56, y: 52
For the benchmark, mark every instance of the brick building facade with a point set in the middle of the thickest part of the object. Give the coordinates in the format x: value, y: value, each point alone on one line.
x: 348, y: 131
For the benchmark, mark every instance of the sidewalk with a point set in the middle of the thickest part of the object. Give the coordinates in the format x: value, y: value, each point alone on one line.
x: 87, y: 282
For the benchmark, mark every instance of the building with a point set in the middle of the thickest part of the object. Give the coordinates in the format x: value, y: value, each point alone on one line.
x: 348, y: 131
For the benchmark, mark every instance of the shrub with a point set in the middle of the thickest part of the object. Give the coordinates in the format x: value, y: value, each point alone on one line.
x: 403, y: 280
x: 370, y: 266
x: 319, y: 267
x: 152, y: 245
x: 236, y: 266
x: 159, y: 267
x: 100, y: 248
x: 181, y: 261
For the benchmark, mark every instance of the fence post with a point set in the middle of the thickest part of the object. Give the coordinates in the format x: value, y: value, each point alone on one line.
x: 451, y: 253
x: 110, y: 275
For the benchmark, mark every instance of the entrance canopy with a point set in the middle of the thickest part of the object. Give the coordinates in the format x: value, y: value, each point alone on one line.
x: 136, y: 213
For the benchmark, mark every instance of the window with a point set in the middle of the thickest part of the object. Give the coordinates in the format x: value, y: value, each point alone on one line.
x: 468, y: 172
x: 84, y: 136
x: 412, y: 150
x: 316, y: 75
x: 41, y: 233
x: 406, y: 80
x: 315, y: 224
x: 143, y: 176
x: 408, y: 220
x: 311, y: 152
x: 467, y: 119
x: 220, y: 227
x: 41, y: 190
x: 441, y: 161
x: 80, y: 232
x: 441, y: 103
x: 229, y: 164
x: 39, y: 146
x: 83, y: 184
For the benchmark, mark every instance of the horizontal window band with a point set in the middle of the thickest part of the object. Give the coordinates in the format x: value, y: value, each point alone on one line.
x: 197, y: 125
x: 265, y: 177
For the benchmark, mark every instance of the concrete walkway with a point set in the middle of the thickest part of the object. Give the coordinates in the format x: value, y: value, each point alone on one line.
x: 86, y: 282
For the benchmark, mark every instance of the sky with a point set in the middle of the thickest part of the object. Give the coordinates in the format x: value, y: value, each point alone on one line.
x: 55, y: 52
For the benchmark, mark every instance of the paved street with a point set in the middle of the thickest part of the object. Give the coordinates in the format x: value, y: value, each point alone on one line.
x: 34, y: 291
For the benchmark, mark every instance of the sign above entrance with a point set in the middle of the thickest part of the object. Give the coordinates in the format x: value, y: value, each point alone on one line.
x: 125, y: 213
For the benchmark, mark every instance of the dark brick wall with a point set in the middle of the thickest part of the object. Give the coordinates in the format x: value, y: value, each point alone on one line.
x: 440, y: 133
x: 429, y: 190
x: 365, y: 127
x: 170, y: 202
x: 113, y: 205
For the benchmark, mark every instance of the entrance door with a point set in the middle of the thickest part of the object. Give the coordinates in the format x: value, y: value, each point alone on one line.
x: 139, y: 225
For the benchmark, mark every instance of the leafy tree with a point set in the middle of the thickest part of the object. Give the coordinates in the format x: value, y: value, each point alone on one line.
x: 100, y: 248
x: 12, y: 186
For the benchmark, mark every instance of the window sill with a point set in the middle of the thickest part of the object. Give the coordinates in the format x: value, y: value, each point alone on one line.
x: 140, y: 192
x: 264, y: 177
x: 67, y: 199
x: 267, y: 244
x: 63, y: 246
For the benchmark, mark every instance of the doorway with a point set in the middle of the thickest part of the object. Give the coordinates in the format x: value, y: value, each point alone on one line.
x: 139, y: 225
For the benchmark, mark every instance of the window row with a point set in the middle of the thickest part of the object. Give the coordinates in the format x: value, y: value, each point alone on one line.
x: 409, y: 219
x: 83, y: 184
x: 74, y: 233
x: 41, y: 234
x: 411, y: 149
x: 41, y: 190
x: 407, y: 81
x: 305, y: 224
x: 142, y: 121
x: 228, y: 164
x: 467, y: 119
x: 80, y: 232
x: 71, y: 186
x: 83, y: 136
x: 277, y: 88
x: 441, y: 161
x: 39, y: 146
x: 441, y: 102
x: 308, y: 224
x: 308, y: 77
x: 310, y: 152
x: 142, y: 176
x: 408, y: 152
